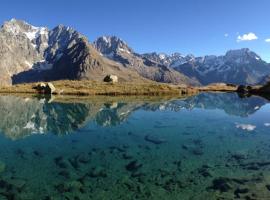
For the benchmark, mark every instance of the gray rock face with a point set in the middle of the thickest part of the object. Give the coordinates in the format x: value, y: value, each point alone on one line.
x: 172, y: 60
x: 265, y: 80
x: 236, y: 66
x: 18, y: 48
x: 30, y: 54
x: 240, y: 66
x: 117, y: 50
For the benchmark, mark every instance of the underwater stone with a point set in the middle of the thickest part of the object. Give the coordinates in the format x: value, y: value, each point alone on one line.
x: 18, y: 183
x: 197, y: 152
x: 59, y: 161
x: 239, y: 191
x: 74, y: 162
x: 268, y: 187
x: 239, y: 156
x: 154, y: 139
x: 37, y: 153
x: 126, y: 156
x: 133, y: 166
x: 204, y: 172
x: 75, y: 185
x: 98, y: 172
x: 184, y: 147
x: 84, y: 159
x: 221, y: 184
x: 2, y: 167
x: 65, y: 174
x: 137, y: 174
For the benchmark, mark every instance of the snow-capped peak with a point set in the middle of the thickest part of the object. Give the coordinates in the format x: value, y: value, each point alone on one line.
x: 162, y: 56
x: 109, y: 45
x: 19, y: 27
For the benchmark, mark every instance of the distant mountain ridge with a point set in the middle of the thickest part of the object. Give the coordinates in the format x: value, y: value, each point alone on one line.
x: 30, y: 54
x: 240, y: 66
x: 117, y: 50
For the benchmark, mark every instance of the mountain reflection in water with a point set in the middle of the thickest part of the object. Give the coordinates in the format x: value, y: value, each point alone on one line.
x: 210, y: 146
x: 24, y: 116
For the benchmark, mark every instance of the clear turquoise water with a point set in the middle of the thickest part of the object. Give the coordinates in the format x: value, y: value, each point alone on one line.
x: 210, y: 146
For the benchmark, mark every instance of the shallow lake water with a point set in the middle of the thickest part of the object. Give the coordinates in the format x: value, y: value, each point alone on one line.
x: 209, y: 146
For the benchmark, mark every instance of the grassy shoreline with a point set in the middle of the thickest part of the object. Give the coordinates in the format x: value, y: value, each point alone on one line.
x: 86, y: 88
x: 93, y: 88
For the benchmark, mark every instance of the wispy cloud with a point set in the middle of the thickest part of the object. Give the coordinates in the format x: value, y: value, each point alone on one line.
x: 267, y: 40
x: 247, y: 37
x: 226, y: 35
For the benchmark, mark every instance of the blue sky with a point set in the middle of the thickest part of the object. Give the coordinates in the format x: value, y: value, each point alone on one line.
x: 199, y: 27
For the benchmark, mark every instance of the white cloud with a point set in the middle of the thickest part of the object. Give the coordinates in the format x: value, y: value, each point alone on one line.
x: 267, y: 40
x: 226, y: 35
x: 247, y: 37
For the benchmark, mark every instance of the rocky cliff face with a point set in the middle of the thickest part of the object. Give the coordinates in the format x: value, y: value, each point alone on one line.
x: 18, y: 48
x: 117, y: 50
x: 38, y: 54
x: 236, y: 66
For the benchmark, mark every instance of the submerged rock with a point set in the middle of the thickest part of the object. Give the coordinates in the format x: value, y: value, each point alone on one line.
x: 197, y: 151
x: 239, y: 156
x: 240, y: 191
x: 2, y: 167
x: 98, y: 172
x: 267, y: 187
x: 18, y: 183
x: 133, y: 166
x: 154, y: 139
x: 221, y: 184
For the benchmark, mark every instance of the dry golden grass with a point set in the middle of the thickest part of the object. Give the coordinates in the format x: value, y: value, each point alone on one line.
x: 67, y: 87
x: 222, y: 87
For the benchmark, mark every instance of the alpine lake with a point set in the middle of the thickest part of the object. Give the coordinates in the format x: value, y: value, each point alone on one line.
x: 212, y: 146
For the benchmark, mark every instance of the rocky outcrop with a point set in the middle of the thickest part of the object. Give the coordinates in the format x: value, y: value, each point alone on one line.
x: 244, y: 89
x: 261, y: 90
x: 45, y: 88
x: 111, y: 79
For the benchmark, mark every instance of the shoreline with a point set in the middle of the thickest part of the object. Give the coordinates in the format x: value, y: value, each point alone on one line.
x: 93, y: 88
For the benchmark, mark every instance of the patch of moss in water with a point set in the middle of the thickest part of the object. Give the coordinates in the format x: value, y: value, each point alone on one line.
x: 130, y: 152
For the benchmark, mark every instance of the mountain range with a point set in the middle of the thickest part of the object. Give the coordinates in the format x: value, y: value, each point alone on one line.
x: 30, y: 54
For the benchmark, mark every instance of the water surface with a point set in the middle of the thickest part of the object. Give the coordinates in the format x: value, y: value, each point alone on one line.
x: 210, y: 146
